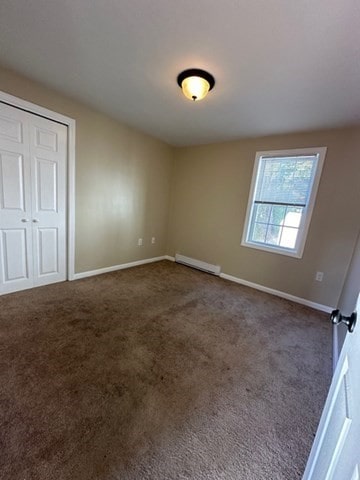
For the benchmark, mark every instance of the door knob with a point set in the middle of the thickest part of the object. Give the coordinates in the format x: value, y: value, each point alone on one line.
x: 24, y: 220
x: 350, y: 321
x: 35, y: 220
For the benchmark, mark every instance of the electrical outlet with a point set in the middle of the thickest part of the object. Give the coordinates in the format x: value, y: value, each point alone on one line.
x: 319, y: 276
x: 153, y: 240
x: 140, y: 242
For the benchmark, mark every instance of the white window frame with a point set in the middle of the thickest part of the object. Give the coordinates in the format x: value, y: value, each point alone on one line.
x: 298, y: 251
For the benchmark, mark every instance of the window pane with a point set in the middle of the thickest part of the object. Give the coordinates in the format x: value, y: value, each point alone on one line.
x: 277, y: 214
x: 285, y: 179
x: 288, y: 237
x: 293, y: 217
x: 273, y: 235
x: 259, y: 232
x: 262, y: 213
x: 276, y: 224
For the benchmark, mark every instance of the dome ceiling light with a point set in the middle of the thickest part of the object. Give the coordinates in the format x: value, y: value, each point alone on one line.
x: 195, y: 83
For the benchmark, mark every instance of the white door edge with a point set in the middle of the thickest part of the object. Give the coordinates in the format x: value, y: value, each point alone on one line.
x: 340, y: 452
x: 71, y: 126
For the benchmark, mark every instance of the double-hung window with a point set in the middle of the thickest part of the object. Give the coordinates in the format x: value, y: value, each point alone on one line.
x: 281, y: 201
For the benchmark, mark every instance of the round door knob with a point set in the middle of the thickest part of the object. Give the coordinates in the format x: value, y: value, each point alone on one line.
x: 350, y: 321
x: 24, y: 220
x: 35, y: 220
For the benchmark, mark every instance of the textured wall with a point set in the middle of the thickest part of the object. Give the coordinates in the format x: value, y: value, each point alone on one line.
x: 209, y: 199
x: 350, y: 292
x: 122, y: 181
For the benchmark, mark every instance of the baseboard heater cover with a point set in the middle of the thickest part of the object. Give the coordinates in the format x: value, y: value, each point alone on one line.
x: 191, y: 262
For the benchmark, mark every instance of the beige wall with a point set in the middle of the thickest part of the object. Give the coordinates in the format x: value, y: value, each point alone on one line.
x: 122, y: 181
x: 209, y: 199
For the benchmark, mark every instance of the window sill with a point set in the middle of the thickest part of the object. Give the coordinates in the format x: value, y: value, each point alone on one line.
x: 273, y: 249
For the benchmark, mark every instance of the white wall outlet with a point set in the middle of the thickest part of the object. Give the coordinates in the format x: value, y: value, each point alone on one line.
x: 319, y: 276
x: 140, y: 242
x: 153, y: 240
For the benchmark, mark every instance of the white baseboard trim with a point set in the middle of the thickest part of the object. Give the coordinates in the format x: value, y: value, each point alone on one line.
x: 100, y: 271
x: 168, y: 257
x: 278, y: 293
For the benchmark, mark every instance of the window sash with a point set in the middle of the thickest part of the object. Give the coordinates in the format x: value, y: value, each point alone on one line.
x: 285, y: 179
x: 282, y: 226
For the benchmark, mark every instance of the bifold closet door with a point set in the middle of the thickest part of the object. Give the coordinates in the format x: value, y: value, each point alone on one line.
x: 32, y: 200
x: 48, y: 174
x: 16, y: 265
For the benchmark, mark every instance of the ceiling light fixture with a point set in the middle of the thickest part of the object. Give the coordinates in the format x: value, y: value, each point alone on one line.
x: 195, y: 83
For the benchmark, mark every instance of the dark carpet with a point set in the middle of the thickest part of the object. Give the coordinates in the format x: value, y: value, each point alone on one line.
x: 158, y: 372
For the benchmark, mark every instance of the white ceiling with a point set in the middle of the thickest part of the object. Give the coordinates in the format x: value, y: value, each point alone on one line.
x: 280, y: 65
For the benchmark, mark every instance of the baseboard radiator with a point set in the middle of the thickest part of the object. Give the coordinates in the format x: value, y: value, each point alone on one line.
x: 191, y: 262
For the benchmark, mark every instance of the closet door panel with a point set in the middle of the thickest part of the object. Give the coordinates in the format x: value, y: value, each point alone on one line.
x: 48, y: 145
x: 48, y: 251
x: 16, y: 265
x: 14, y: 255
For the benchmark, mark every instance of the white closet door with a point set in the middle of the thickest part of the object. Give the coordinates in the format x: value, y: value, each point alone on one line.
x: 16, y: 264
x: 33, y: 153
x: 48, y: 144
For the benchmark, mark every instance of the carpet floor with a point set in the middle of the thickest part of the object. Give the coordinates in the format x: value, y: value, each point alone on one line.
x: 158, y: 372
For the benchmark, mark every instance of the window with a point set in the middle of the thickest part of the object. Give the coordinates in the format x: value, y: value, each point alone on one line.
x: 281, y: 201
